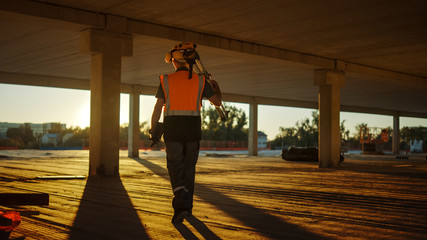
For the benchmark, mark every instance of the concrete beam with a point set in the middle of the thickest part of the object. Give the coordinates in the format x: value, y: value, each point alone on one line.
x: 52, y: 15
x: 386, y: 76
x: 92, y: 41
x: 69, y: 83
x: 44, y: 81
x: 140, y: 89
x: 83, y: 84
x: 369, y: 110
x: 179, y: 34
x: 268, y: 101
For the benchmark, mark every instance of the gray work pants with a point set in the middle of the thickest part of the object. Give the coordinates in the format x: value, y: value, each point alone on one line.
x: 181, y: 163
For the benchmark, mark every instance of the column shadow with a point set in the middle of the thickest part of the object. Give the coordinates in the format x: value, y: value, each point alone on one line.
x: 106, y: 212
x: 258, y: 219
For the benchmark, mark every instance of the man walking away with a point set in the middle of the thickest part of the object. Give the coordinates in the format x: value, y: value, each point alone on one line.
x: 180, y: 94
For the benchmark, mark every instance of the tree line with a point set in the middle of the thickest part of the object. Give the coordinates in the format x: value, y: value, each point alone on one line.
x: 304, y: 133
x: 24, y: 137
x: 232, y: 129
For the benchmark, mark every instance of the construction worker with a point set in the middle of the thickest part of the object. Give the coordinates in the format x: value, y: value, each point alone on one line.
x: 180, y: 94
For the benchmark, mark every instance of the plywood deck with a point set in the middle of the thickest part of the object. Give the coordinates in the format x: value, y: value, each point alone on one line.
x: 236, y: 197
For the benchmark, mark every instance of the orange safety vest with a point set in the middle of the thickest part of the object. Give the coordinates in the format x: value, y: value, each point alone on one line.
x: 183, y: 96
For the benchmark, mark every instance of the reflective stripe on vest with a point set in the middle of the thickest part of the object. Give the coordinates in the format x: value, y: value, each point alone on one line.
x: 182, y: 95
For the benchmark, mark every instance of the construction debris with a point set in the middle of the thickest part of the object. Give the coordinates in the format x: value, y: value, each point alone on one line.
x: 303, y: 154
x: 62, y: 177
x: 9, y: 220
x: 18, y: 199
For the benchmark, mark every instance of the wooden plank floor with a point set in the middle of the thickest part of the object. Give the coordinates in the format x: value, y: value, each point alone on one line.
x: 236, y: 197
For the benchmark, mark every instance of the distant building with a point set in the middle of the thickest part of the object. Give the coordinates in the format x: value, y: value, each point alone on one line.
x: 50, y: 138
x: 3, y: 135
x: 416, y: 146
x: 54, y: 139
x: 38, y: 128
x: 5, y: 125
x: 66, y: 137
x: 262, y: 140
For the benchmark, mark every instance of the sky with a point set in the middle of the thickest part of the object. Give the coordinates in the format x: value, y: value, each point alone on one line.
x: 19, y: 104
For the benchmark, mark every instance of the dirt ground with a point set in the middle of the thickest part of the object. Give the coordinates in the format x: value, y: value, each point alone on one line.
x: 236, y: 197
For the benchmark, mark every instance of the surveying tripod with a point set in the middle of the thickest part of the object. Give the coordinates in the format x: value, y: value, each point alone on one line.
x: 202, y: 70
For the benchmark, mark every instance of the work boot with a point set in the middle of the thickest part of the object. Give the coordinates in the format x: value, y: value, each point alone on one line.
x: 179, y: 217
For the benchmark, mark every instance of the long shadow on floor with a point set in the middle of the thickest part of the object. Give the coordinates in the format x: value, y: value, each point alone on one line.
x: 106, y: 212
x: 262, y: 222
x: 202, y: 228
x: 199, y: 226
x: 388, y: 168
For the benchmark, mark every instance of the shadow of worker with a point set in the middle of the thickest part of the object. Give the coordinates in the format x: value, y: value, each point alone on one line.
x: 106, y: 212
x: 200, y: 227
x: 260, y: 220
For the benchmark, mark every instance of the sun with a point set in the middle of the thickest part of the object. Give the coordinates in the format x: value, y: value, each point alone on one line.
x: 84, y: 115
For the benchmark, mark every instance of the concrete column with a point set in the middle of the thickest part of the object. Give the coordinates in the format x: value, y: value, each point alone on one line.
x: 253, y: 130
x: 133, y: 130
x: 106, y: 49
x: 396, y: 134
x: 329, y: 81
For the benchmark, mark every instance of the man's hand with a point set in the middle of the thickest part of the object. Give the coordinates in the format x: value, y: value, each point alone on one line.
x: 156, y: 133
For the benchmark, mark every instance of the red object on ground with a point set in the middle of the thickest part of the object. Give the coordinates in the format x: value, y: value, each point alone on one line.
x: 12, y: 218
x: 8, y: 148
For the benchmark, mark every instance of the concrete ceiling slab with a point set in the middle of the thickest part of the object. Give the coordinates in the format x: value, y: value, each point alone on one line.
x: 255, y: 49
